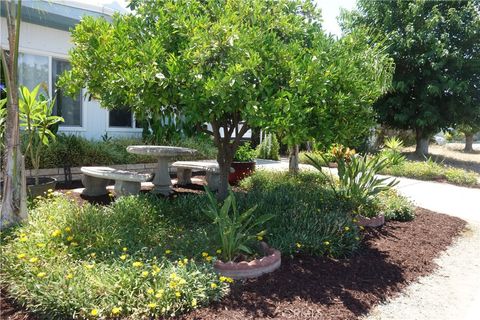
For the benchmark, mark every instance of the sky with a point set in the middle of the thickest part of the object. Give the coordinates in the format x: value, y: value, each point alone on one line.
x: 330, y: 10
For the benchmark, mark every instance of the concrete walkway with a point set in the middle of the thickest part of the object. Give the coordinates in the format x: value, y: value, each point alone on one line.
x: 453, y: 290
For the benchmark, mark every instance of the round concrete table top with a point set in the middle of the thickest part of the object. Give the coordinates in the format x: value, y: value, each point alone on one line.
x: 161, y: 151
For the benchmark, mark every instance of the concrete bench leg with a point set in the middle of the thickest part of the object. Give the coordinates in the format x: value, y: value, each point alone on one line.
x: 184, y: 176
x: 213, y: 180
x: 126, y: 188
x: 94, y: 186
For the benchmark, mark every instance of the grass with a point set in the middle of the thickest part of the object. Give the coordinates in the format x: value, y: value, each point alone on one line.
x: 430, y: 170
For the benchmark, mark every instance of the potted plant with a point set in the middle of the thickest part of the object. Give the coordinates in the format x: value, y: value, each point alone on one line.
x: 243, y: 163
x: 36, y: 120
x: 242, y: 254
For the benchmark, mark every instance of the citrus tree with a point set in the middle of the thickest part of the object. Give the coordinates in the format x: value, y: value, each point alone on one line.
x: 231, y: 64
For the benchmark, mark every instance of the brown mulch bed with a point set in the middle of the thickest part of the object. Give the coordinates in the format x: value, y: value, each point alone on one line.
x: 322, y: 288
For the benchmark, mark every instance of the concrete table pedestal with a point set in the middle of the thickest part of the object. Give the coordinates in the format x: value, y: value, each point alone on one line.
x: 164, y: 154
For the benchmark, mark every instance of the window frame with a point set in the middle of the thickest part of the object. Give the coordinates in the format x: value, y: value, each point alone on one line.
x: 133, y: 128
x: 51, y: 56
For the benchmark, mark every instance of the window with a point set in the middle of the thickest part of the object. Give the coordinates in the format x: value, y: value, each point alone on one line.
x: 120, y: 117
x: 67, y: 107
x: 33, y: 70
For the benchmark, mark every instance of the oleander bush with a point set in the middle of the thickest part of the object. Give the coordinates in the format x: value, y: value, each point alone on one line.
x: 76, y: 151
x: 308, y: 216
x: 138, y: 257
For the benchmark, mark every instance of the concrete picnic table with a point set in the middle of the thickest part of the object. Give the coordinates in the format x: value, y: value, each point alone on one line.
x: 164, y: 154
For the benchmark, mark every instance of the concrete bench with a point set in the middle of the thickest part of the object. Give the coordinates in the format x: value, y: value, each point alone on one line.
x: 96, y: 179
x: 184, y: 172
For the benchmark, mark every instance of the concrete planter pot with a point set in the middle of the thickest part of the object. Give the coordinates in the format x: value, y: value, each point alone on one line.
x: 242, y: 170
x: 40, y: 189
x: 371, y: 222
x: 252, y: 269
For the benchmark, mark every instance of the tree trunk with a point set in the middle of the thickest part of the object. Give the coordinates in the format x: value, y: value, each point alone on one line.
x: 293, y: 160
x: 422, y: 140
x: 224, y: 159
x: 468, y: 142
x: 13, y: 208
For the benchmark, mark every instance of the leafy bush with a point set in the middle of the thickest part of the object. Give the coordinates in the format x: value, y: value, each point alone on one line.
x: 235, y: 230
x: 75, y: 151
x: 245, y: 153
x: 132, y: 258
x: 308, y: 216
x: 430, y: 170
x: 269, y: 148
x: 395, y: 206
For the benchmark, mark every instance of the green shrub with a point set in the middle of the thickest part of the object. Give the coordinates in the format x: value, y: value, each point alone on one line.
x: 303, y: 157
x: 70, y: 261
x: 461, y: 177
x: 308, y: 217
x: 75, y: 151
x: 395, y: 206
x: 269, y: 148
x: 245, y: 153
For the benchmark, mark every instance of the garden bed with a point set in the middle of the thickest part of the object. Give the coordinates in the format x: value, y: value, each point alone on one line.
x: 323, y: 288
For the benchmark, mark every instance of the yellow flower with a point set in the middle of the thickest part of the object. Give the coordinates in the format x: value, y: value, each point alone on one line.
x: 299, y: 245
x: 69, y: 238
x: 23, y: 239
x: 116, y: 310
x: 213, y: 285
x: 168, y: 251
x: 89, y: 266
x: 173, y: 276
x: 326, y: 243
x: 182, y: 281
x: 223, y: 279
x: 208, y: 258
x: 137, y: 264
x: 33, y: 260
x: 185, y: 261
x: 41, y: 245
x: 204, y: 254
x: 259, y: 238
x: 229, y: 280
x: 124, y: 249
x: 50, y: 190
x: 172, y: 284
x: 93, y: 254
x: 156, y: 269
x: 74, y: 244
x: 94, y: 312
x: 150, y: 291
x: 41, y: 274
x: 123, y: 257
x: 159, y: 294
x: 347, y: 228
x: 152, y: 305
x: 68, y: 229
x: 219, y: 251
x: 178, y: 294
x: 56, y: 233
x: 69, y: 276
x: 145, y: 274
x: 21, y: 256
x: 194, y: 302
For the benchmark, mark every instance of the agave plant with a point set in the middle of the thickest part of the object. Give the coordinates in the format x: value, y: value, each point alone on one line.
x: 357, y: 178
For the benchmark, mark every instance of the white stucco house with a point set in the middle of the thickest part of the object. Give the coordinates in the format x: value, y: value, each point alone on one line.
x: 44, y: 44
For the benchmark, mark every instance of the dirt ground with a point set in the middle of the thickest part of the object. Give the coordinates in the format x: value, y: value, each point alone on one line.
x: 307, y: 287
x: 451, y: 154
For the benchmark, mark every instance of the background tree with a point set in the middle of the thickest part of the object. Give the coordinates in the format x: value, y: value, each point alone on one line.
x: 435, y: 45
x: 232, y: 64
x: 13, y: 208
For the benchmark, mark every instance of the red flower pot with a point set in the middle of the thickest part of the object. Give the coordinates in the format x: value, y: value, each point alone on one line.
x: 242, y: 170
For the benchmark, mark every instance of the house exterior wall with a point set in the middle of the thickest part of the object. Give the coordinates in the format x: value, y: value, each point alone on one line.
x: 44, y: 41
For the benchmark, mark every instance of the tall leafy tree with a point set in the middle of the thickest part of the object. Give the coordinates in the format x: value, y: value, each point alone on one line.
x: 436, y: 47
x: 232, y: 64
x: 13, y: 207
